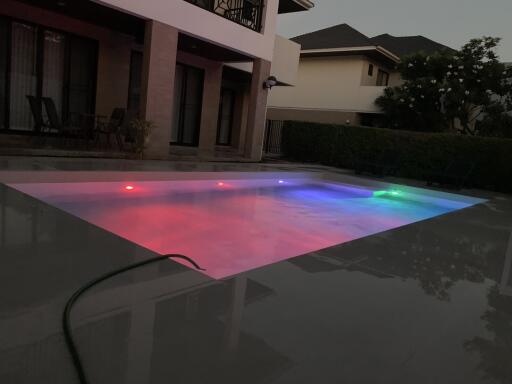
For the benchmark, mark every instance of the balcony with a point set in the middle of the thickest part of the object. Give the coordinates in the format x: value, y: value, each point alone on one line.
x: 247, y: 13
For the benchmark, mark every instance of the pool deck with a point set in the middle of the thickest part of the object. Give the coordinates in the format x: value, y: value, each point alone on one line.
x: 429, y: 302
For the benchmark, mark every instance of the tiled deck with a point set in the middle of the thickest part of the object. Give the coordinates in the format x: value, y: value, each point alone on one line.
x: 426, y: 303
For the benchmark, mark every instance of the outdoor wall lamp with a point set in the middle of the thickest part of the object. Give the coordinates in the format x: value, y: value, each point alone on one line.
x: 270, y: 82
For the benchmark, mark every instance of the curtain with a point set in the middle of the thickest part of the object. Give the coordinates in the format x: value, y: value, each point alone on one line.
x: 193, y: 105
x: 135, y: 82
x: 3, y: 70
x: 225, y: 116
x: 23, y: 75
x: 188, y: 91
x: 53, y: 68
x: 178, y: 92
x: 82, y: 76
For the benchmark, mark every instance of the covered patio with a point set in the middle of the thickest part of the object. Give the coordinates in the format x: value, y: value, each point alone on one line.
x: 75, y: 75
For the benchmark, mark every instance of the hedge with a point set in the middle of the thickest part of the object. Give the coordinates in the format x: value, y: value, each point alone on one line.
x: 419, y: 153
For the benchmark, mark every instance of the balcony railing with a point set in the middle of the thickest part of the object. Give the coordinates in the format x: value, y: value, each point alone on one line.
x: 244, y: 12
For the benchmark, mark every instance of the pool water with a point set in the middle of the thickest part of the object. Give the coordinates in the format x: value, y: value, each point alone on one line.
x: 229, y: 227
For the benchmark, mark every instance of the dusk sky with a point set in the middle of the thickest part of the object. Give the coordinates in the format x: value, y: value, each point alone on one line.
x: 450, y: 22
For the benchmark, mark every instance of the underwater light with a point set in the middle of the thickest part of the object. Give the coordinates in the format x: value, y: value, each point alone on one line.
x: 391, y: 192
x: 129, y: 187
x: 220, y: 184
x: 281, y: 181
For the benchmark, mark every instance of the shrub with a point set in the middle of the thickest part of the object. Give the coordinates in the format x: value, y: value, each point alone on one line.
x: 419, y: 153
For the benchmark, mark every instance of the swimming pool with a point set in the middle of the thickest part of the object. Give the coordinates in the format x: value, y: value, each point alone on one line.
x: 231, y: 223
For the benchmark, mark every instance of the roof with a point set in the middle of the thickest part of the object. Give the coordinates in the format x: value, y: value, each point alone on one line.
x: 287, y: 6
x: 407, y: 45
x: 339, y: 36
x: 344, y: 36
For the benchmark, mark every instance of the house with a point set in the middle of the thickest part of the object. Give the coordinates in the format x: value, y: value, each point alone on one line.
x: 172, y: 62
x: 341, y: 74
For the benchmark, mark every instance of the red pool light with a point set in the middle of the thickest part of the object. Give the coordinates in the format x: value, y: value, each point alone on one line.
x: 220, y: 184
x: 129, y: 187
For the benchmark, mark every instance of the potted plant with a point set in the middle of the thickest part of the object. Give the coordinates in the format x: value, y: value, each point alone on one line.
x: 141, y: 130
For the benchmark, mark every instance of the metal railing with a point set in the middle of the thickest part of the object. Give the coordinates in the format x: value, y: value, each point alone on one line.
x: 272, y: 144
x: 244, y: 12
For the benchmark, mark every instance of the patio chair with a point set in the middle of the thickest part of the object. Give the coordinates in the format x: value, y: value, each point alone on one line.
x: 55, y: 123
x: 128, y: 133
x: 36, y: 108
x: 455, y: 175
x: 112, y: 127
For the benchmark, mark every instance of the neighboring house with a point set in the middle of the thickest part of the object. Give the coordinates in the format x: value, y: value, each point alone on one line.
x: 164, y: 60
x: 341, y: 74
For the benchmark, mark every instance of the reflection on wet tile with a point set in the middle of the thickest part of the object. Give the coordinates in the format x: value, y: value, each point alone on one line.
x: 426, y: 303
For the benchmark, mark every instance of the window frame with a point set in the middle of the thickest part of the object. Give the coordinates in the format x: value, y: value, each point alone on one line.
x: 182, y: 108
x: 231, y: 117
x: 370, y: 70
x: 382, y: 78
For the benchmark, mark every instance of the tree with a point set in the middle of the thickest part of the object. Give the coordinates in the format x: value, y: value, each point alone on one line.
x: 450, y: 89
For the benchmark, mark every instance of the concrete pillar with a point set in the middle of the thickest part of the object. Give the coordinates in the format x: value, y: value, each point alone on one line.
x: 157, y: 94
x: 257, y: 110
x: 210, y: 110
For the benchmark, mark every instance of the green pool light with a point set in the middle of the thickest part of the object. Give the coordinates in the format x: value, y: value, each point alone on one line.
x: 391, y: 192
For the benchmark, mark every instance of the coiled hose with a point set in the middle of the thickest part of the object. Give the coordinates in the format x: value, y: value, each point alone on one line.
x: 77, y: 362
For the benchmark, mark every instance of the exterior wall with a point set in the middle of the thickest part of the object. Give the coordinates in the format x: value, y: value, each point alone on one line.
x: 256, y: 113
x: 114, y: 51
x: 201, y: 23
x: 395, y: 80
x: 113, y: 74
x: 157, y: 93
x: 285, y: 62
x: 328, y: 83
x: 314, y: 115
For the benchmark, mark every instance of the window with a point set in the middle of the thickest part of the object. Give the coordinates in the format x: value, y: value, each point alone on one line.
x: 226, y: 109
x: 41, y: 62
x: 370, y: 70
x: 134, y: 86
x: 4, y: 36
x: 23, y: 75
x: 382, y: 78
x: 188, y: 100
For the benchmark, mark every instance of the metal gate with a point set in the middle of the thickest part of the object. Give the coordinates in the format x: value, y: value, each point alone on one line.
x: 273, y: 137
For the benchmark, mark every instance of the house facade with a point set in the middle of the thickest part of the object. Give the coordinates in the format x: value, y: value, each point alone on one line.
x: 341, y: 74
x: 195, y: 68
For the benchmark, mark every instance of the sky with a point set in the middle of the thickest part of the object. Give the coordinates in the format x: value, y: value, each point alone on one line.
x: 450, y: 22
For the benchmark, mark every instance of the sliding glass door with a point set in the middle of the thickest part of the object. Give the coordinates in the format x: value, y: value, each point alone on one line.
x: 188, y: 99
x: 54, y: 55
x: 23, y: 75
x: 4, y: 44
x: 134, y: 85
x: 36, y: 61
x: 226, y: 110
x: 81, y: 80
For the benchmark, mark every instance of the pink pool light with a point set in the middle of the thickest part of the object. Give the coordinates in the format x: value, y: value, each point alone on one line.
x: 253, y: 223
